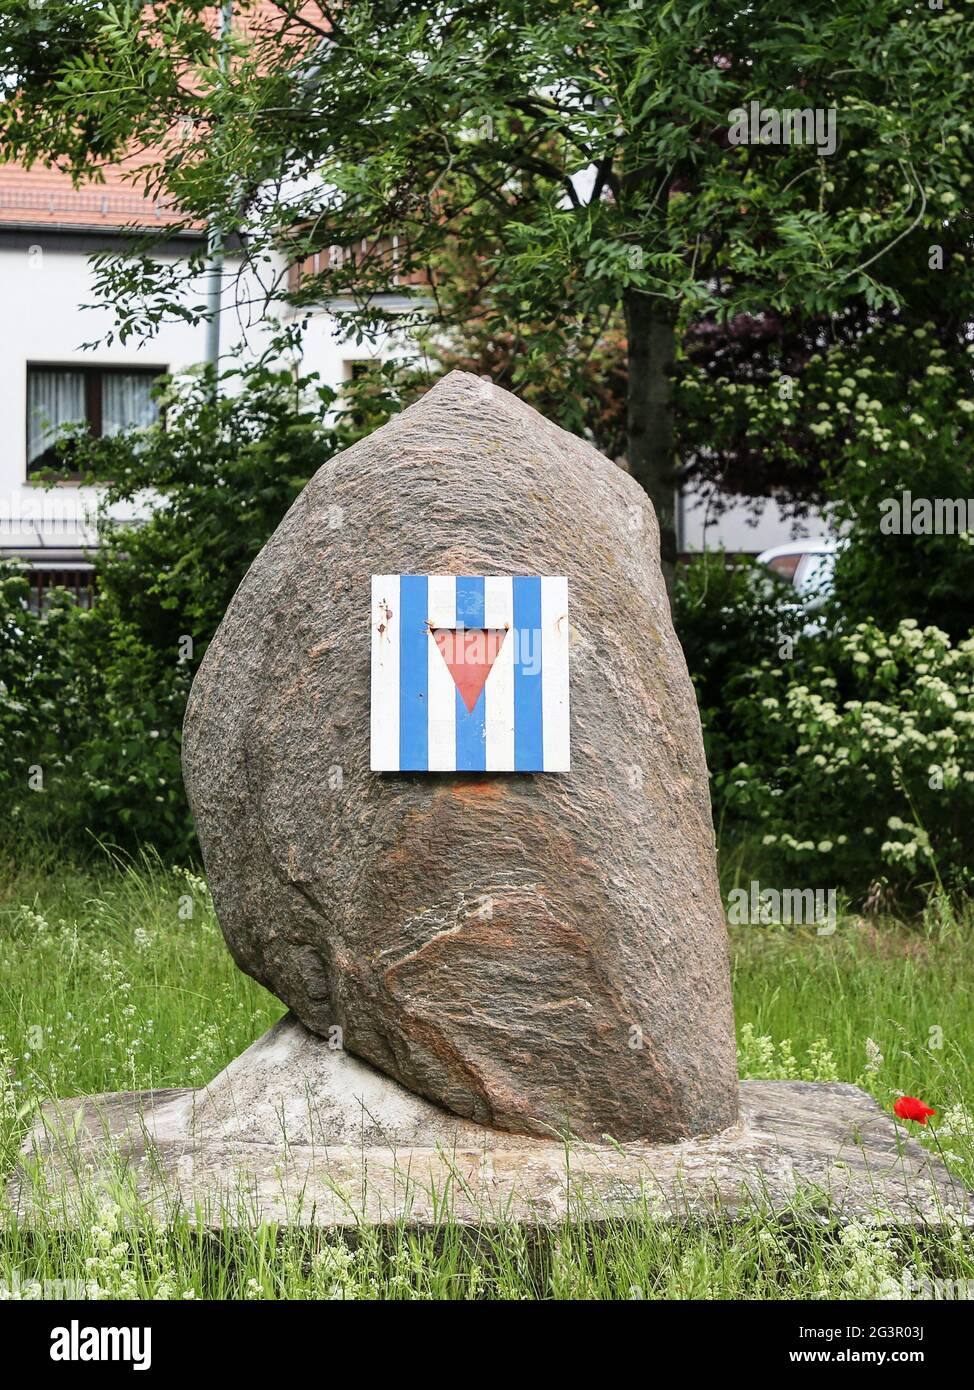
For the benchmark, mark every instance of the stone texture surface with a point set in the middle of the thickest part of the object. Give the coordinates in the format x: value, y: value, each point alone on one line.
x: 360, y: 905
x: 295, y: 1133
x: 291, y: 1084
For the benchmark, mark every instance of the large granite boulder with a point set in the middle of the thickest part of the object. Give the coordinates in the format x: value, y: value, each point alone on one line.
x: 535, y: 952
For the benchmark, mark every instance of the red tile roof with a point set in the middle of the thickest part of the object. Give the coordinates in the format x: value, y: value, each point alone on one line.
x: 40, y: 197
x: 45, y: 197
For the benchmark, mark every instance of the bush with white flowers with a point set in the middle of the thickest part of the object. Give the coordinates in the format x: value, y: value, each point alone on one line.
x: 863, y: 769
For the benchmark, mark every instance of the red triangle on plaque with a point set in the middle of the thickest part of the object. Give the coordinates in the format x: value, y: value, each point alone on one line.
x: 469, y: 653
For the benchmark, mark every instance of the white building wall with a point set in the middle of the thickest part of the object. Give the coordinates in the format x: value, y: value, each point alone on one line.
x: 740, y: 528
x: 330, y: 350
x: 43, y: 292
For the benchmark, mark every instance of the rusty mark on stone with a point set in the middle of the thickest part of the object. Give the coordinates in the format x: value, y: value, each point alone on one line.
x: 489, y: 788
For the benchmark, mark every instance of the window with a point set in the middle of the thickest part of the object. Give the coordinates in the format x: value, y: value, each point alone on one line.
x: 357, y: 368
x: 360, y: 372
x: 78, y: 579
x: 106, y: 399
x: 377, y: 261
x: 785, y: 565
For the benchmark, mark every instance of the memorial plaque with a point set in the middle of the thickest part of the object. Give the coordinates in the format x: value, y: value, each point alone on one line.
x: 469, y: 673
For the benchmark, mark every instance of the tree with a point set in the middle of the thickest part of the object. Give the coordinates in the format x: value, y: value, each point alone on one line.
x: 93, y: 700
x: 594, y: 159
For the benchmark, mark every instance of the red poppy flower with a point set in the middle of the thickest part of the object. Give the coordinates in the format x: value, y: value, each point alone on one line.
x: 909, y: 1108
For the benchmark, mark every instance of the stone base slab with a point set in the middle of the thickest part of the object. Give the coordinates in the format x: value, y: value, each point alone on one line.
x: 296, y: 1134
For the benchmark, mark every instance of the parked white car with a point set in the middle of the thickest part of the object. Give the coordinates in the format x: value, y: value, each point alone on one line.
x: 808, y: 566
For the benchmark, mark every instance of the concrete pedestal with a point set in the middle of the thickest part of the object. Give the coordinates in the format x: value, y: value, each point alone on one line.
x: 295, y: 1133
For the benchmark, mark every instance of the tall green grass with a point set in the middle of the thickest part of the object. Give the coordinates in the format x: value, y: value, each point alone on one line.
x: 116, y: 977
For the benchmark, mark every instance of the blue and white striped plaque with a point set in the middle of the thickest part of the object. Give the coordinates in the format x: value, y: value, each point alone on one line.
x: 469, y: 673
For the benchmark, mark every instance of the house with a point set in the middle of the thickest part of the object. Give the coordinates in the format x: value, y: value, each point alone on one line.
x: 49, y: 378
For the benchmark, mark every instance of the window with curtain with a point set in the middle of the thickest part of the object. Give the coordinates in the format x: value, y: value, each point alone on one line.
x: 106, y: 399
x: 126, y: 401
x: 54, y: 399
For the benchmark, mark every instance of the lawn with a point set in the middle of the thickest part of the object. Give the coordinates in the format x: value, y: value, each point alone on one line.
x: 116, y: 977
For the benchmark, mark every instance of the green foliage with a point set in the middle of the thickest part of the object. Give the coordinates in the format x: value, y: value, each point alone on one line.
x: 110, y: 985
x: 912, y: 399
x: 49, y: 688
x: 857, y: 767
x: 225, y: 468
x: 89, y: 727
x: 544, y: 168
x: 125, y: 780
x: 96, y: 699
x: 446, y: 127
x: 731, y: 615
x: 19, y: 659
x: 887, y: 413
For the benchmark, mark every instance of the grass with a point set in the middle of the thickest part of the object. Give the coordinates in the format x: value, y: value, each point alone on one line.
x: 116, y: 977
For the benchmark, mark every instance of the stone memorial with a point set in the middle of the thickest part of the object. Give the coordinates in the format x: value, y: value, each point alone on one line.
x: 447, y: 772
x: 538, y: 952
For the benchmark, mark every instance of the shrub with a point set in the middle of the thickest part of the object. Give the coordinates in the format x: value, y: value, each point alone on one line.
x: 96, y: 699
x: 862, y: 767
x: 911, y: 405
x: 20, y: 654
x: 869, y: 419
x: 49, y: 691
x: 730, y: 615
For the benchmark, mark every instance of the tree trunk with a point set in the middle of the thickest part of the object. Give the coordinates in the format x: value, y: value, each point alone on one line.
x: 652, y: 346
